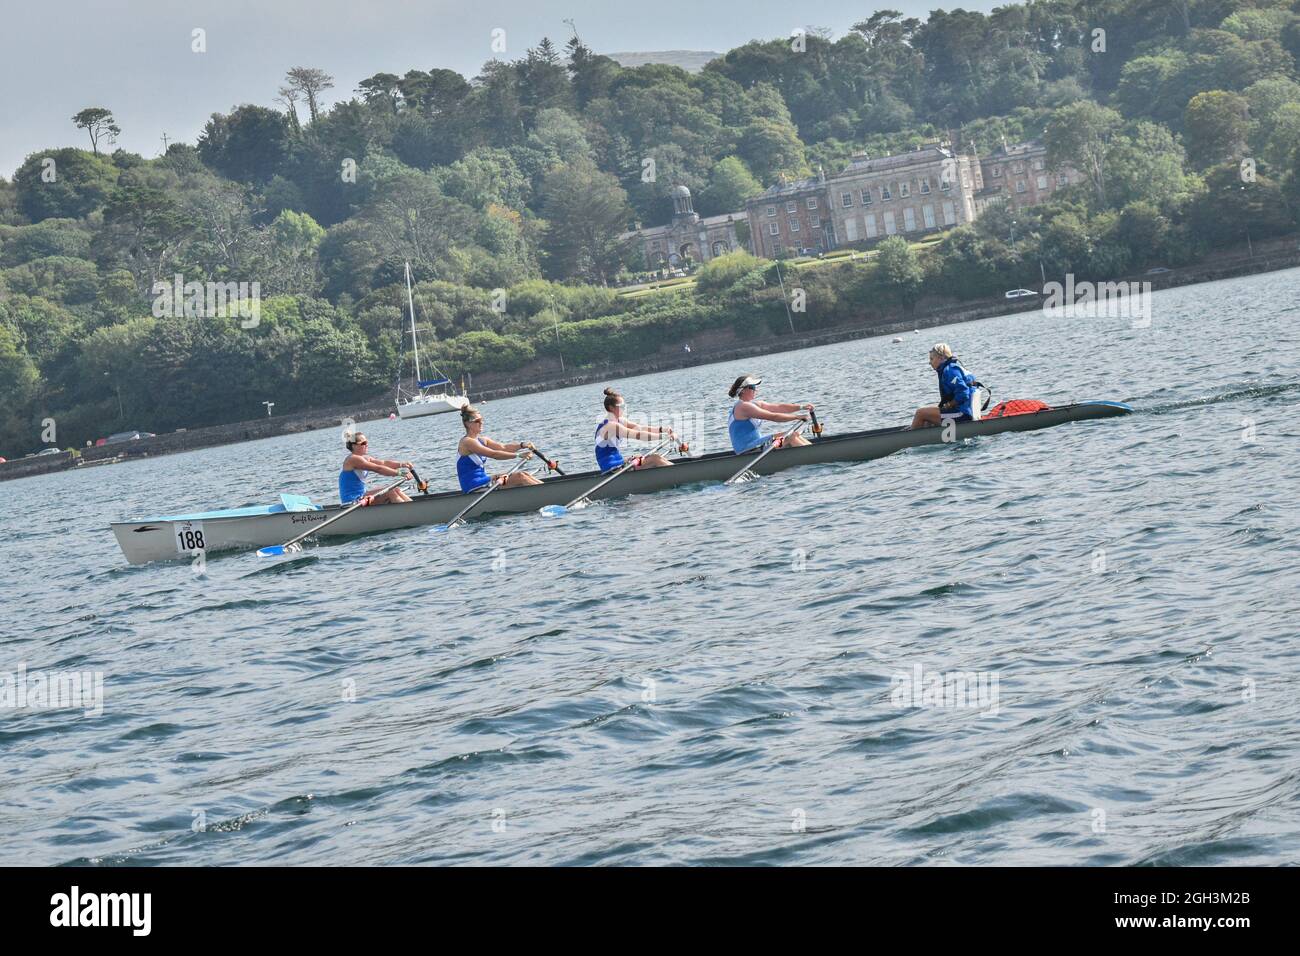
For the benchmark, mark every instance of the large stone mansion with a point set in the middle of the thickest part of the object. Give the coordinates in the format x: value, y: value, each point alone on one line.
x: 928, y: 189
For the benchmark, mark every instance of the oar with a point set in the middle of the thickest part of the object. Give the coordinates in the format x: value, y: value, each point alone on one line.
x: 552, y: 463
x: 749, y: 469
x: 422, y: 486
x: 292, y: 543
x: 816, y: 425
x: 492, y: 486
x: 556, y: 511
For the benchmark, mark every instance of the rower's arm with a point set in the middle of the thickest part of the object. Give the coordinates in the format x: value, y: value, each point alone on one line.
x: 781, y: 407
x: 365, y: 463
x: 767, y: 412
x: 638, y: 432
x: 489, y: 449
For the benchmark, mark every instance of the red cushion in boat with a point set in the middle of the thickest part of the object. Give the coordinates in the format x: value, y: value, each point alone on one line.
x: 1016, y: 406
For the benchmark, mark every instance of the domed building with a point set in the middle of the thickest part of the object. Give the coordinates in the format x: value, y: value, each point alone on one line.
x: 688, y: 239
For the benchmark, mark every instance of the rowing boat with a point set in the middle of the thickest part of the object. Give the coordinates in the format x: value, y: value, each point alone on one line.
x: 184, y: 536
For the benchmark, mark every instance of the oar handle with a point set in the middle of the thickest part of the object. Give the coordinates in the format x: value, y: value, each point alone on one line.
x: 816, y: 425
x: 552, y: 464
x: 422, y: 485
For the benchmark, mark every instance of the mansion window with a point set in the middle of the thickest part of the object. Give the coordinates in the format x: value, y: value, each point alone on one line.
x: 812, y: 202
x: 1017, y: 167
x: 791, y: 206
x: 846, y: 200
x: 997, y: 172
x: 925, y: 185
x: 771, y: 210
x: 1062, y: 179
x: 1020, y: 185
x: 794, y: 225
x: 904, y: 190
x: 885, y: 194
x: 1038, y: 164
x: 1042, y: 182
x: 773, y: 229
x: 945, y: 183
x: 814, y: 222
x: 866, y: 196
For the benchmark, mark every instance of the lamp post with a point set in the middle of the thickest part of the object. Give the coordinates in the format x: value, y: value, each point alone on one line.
x: 118, y: 388
x: 555, y: 312
x: 784, y: 300
x: 269, y: 406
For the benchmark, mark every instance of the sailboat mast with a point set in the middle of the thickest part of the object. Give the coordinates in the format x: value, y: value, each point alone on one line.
x: 415, y: 342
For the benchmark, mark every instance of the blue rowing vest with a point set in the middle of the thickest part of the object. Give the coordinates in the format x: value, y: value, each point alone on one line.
x: 609, y: 452
x: 743, y: 431
x: 470, y: 471
x: 352, y: 485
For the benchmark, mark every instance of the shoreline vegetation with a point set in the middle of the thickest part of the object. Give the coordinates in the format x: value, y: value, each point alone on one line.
x: 1278, y: 255
x: 511, y: 193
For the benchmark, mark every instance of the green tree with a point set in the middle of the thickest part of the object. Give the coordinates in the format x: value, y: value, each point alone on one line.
x: 248, y: 145
x: 98, y: 124
x: 63, y: 183
x: 1078, y: 135
x: 730, y: 184
x: 585, y: 211
x: 1216, y: 124
x: 899, y: 272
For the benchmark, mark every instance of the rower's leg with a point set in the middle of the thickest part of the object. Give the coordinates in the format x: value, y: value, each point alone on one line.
x: 796, y: 440
x: 521, y: 478
x: 926, y: 415
x: 655, y: 461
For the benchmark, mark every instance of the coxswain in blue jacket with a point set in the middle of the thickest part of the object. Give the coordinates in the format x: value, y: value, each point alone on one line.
x: 743, y: 419
x: 957, y: 391
x: 358, y: 464
x: 476, y: 448
x: 614, y: 431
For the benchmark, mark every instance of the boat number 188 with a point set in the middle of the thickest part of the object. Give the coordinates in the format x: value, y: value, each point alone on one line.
x: 189, y: 537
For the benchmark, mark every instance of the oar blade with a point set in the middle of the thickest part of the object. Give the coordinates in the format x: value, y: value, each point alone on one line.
x: 444, y: 528
x: 273, y: 551
x: 554, y: 511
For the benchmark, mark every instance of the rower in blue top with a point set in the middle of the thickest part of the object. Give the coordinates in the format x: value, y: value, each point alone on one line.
x: 957, y: 391
x: 614, y: 431
x: 743, y: 419
x: 476, y: 448
x: 358, y: 464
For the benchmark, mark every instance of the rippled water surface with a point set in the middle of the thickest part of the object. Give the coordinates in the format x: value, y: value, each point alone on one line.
x: 713, y: 676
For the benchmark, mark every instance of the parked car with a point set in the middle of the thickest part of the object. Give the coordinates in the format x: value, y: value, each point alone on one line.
x: 49, y: 451
x: 126, y: 436
x: 1020, y: 293
x: 1157, y: 270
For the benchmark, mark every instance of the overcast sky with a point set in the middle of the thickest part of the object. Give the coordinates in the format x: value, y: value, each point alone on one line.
x: 134, y: 57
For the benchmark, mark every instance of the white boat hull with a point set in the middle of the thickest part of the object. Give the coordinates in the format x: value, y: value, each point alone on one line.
x: 431, y: 405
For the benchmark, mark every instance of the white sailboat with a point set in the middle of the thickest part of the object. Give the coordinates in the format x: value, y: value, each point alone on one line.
x: 433, y: 396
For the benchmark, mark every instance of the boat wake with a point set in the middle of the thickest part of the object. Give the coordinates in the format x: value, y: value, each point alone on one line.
x: 1258, y: 391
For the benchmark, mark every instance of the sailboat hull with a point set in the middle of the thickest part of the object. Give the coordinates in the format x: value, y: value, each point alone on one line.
x: 431, y: 405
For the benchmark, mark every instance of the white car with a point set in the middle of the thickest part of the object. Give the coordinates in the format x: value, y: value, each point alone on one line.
x: 1020, y: 293
x: 49, y: 451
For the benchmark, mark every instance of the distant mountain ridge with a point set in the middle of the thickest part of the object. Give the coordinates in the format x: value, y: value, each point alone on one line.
x: 692, y: 61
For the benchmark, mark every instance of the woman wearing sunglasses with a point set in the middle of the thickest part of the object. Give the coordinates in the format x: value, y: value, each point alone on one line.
x: 358, y: 464
x: 613, y: 433
x: 743, y: 419
x: 476, y: 448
